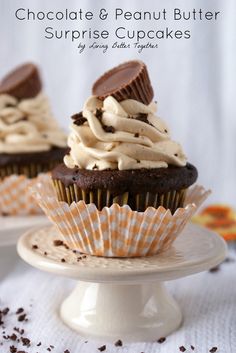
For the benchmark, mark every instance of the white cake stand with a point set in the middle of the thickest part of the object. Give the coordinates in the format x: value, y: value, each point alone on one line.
x: 123, y: 298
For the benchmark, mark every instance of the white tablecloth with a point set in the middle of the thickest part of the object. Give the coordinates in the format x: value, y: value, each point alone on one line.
x: 208, y: 302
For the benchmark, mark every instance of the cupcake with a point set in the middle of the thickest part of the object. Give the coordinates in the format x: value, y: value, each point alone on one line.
x: 121, y: 152
x: 31, y: 141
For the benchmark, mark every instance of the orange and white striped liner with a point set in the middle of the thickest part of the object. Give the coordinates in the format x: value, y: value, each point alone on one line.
x: 15, y: 197
x: 116, y: 231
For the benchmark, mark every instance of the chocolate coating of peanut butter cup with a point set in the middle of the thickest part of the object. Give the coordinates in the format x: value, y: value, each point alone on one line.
x: 22, y: 83
x: 129, y: 80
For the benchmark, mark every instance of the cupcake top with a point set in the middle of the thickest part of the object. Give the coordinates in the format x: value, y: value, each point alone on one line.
x: 121, y: 135
x: 26, y: 120
x: 115, y: 131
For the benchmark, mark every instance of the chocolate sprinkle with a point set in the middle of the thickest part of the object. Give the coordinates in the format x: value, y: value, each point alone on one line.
x: 63, y: 260
x: 161, y: 340
x: 35, y: 247
x: 192, y: 347
x: 182, y: 349
x: 119, y: 343
x: 102, y: 348
x: 136, y: 134
x: 213, y: 349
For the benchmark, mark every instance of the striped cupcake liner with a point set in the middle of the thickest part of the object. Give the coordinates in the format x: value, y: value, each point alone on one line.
x: 171, y: 200
x: 15, y: 196
x: 116, y: 231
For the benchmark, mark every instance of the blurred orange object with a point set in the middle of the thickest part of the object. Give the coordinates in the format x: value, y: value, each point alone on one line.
x: 219, y: 218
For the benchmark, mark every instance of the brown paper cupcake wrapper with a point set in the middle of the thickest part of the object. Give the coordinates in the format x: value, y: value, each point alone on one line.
x: 15, y: 196
x: 170, y: 200
x: 30, y: 170
x: 115, y: 231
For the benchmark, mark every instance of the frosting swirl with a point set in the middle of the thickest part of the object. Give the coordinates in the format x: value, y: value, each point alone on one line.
x: 28, y: 125
x: 121, y: 135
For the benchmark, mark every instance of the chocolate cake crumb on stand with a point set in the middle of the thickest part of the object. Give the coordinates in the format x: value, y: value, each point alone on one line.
x: 122, y: 298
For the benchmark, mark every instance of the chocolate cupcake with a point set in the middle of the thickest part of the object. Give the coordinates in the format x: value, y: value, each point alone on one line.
x: 31, y: 142
x: 121, y: 151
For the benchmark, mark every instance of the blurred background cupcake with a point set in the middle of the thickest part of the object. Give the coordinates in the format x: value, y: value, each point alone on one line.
x: 120, y: 150
x: 31, y: 141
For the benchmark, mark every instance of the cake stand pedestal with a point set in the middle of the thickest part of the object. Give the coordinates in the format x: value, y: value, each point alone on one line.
x: 123, y: 298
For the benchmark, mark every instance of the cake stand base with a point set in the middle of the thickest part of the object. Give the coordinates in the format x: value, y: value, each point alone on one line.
x: 123, y: 298
x: 136, y: 312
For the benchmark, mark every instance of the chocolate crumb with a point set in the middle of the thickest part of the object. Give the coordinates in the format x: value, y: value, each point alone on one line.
x: 35, y: 247
x: 192, y: 347
x: 98, y: 114
x: 25, y: 341
x: 161, y: 340
x: 136, y: 134
x: 109, y: 129
x: 102, y: 348
x: 45, y: 253
x: 39, y: 344
x: 22, y: 317
x: 119, y: 343
x: 229, y: 259
x: 95, y: 167
x: 66, y: 351
x: 176, y: 154
x: 58, y: 242
x: 19, y: 311
x: 142, y: 117
x: 214, y: 269
x: 49, y: 349
x: 213, y: 349
x: 182, y: 349
x: 20, y: 331
x: 78, y: 119
x: 166, y: 131
x: 13, y: 337
x: 5, y: 311
x: 13, y: 349
x: 63, y: 260
x: 77, y: 115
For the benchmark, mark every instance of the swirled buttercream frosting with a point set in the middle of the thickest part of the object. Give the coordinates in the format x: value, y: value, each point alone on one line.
x: 28, y: 125
x: 121, y: 135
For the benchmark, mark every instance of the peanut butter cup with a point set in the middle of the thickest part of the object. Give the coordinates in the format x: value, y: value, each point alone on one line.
x: 22, y: 83
x: 129, y: 80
